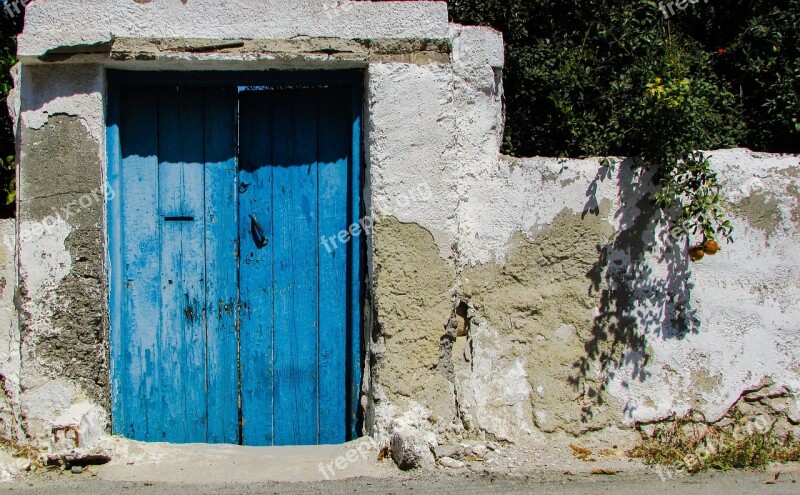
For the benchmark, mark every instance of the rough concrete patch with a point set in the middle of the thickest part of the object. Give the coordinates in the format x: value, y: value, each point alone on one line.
x: 566, y: 182
x: 791, y: 172
x: 413, y: 293
x: 415, y: 58
x: 761, y: 210
x: 793, y: 191
x: 549, y: 176
x: 411, y: 51
x: 126, y: 48
x: 394, y: 46
x: 62, y: 257
x: 544, y: 286
x: 80, y: 350
x: 61, y: 53
x: 60, y: 160
x: 703, y: 384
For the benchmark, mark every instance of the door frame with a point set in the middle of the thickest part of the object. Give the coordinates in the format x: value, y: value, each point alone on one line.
x: 356, y: 249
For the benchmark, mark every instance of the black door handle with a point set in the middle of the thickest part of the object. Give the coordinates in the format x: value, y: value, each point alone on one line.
x: 257, y: 232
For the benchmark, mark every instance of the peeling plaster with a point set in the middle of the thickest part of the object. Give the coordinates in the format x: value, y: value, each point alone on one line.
x: 43, y: 266
x: 64, y: 90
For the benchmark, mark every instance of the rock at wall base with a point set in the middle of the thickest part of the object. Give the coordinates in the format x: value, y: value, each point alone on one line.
x: 451, y: 463
x: 11, y: 467
x: 79, y: 457
x: 411, y: 449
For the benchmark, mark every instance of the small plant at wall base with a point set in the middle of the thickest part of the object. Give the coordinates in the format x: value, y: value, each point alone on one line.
x: 680, y: 446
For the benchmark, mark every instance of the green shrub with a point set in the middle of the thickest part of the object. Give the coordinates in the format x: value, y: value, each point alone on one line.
x: 588, y: 78
x: 9, y: 28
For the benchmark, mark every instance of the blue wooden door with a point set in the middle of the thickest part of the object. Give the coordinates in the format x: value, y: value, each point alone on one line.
x: 230, y: 322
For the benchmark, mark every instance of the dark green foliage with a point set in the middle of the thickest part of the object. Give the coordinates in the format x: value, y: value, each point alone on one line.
x: 592, y: 78
x: 9, y: 28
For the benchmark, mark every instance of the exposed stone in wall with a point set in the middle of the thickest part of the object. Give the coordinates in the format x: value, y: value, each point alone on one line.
x: 768, y: 412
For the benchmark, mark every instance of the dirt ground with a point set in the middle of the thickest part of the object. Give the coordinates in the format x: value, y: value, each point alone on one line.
x: 729, y: 483
x: 551, y: 467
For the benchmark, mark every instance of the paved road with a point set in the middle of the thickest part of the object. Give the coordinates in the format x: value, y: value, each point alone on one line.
x: 730, y: 483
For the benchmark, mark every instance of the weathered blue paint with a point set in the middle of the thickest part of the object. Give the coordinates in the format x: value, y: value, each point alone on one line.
x: 221, y: 260
x: 208, y: 259
x: 295, y: 250
x: 334, y: 150
x: 181, y: 336
x: 356, y: 274
x: 256, y: 287
x: 294, y: 178
x: 135, y: 285
x: 116, y: 286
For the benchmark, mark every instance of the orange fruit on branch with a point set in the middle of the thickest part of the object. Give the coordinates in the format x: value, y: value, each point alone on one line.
x: 696, y: 253
x: 711, y: 247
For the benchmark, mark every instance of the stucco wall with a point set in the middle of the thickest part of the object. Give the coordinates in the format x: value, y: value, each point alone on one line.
x: 570, y: 308
x: 609, y: 320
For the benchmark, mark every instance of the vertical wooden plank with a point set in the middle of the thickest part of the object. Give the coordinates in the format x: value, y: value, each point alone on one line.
x: 221, y: 252
x: 182, y: 333
x: 136, y: 281
x: 116, y: 298
x: 256, y: 266
x: 334, y: 150
x: 355, y: 279
x: 296, y: 285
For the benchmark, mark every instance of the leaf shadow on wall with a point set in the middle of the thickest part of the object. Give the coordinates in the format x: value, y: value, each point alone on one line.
x: 643, y: 280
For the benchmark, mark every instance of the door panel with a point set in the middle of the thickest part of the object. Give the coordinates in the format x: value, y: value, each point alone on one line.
x: 135, y: 365
x: 296, y: 268
x: 169, y: 180
x: 298, y: 156
x: 181, y: 341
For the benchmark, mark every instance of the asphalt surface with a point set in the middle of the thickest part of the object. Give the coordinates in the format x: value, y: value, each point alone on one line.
x: 714, y: 483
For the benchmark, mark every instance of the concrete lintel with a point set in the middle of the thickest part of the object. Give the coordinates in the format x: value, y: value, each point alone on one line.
x: 304, y: 49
